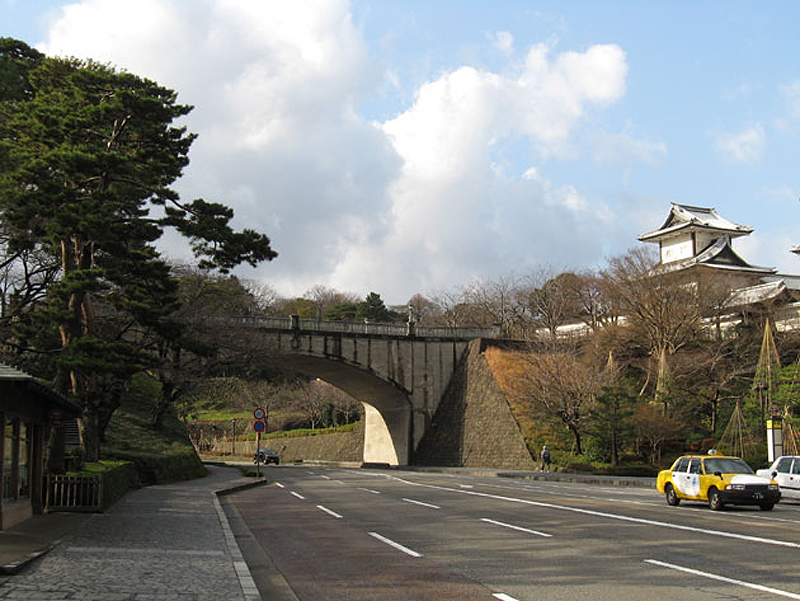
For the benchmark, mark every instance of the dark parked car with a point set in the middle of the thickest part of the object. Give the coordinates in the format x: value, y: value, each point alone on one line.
x: 266, y: 456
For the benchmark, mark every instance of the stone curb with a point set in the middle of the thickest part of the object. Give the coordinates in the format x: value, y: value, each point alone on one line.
x: 17, y: 566
x: 249, y: 588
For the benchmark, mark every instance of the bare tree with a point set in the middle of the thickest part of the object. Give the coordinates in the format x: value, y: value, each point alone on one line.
x: 560, y: 385
x: 654, y: 429
x: 667, y: 308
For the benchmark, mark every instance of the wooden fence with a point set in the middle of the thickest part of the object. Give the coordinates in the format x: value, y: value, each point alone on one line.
x: 73, y: 493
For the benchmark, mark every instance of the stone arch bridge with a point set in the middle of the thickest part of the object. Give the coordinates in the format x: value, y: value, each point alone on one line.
x: 398, y: 372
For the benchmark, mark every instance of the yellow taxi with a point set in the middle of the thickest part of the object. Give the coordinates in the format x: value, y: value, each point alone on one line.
x: 718, y: 480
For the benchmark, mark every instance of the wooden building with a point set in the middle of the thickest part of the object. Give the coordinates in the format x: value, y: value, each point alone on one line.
x: 28, y: 410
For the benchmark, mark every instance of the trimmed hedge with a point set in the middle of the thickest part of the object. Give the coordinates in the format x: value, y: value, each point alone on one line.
x: 166, y: 467
x: 116, y: 478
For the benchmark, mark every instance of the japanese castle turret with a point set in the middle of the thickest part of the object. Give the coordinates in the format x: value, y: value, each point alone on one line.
x: 697, y: 238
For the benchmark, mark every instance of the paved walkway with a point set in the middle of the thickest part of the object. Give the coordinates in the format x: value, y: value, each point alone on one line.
x: 159, y: 543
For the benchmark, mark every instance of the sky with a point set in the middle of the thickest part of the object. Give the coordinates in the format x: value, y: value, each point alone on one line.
x: 413, y: 147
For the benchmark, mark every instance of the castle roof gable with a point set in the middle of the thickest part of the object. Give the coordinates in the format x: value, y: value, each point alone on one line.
x: 686, y: 218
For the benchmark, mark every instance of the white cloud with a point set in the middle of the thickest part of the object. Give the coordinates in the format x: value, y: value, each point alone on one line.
x: 410, y: 205
x: 503, y: 41
x: 624, y: 149
x: 745, y: 147
x: 791, y: 96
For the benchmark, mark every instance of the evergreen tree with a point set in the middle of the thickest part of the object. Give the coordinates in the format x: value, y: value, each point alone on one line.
x: 87, y: 158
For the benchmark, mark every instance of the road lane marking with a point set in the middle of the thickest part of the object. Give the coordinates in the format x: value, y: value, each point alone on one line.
x: 758, y: 587
x: 279, y: 485
x: 421, y: 503
x: 397, y: 546
x: 324, y: 476
x: 513, y: 527
x: 298, y: 495
x: 603, y: 514
x: 329, y: 512
x: 503, y: 597
x: 338, y: 482
x: 374, y: 492
x: 467, y: 486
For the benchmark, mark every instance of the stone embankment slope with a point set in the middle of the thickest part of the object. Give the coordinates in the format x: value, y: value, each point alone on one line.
x: 474, y: 425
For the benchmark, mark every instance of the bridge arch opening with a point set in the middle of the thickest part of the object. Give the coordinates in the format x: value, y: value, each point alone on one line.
x: 388, y: 423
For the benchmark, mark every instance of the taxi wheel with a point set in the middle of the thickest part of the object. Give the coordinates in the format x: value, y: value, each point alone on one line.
x: 669, y: 493
x: 714, y: 502
x: 767, y: 506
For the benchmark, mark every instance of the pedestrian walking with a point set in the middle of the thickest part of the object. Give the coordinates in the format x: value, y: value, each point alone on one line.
x: 545, y: 459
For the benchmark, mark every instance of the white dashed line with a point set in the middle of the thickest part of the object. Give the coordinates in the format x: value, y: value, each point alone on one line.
x: 513, y: 527
x: 279, y: 485
x: 298, y: 495
x: 757, y: 587
x: 503, y: 597
x: 374, y: 492
x: 421, y: 503
x: 325, y: 477
x: 329, y: 512
x: 397, y: 546
x: 604, y: 514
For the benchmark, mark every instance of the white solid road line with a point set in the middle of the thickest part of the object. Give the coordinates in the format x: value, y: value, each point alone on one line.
x: 328, y: 511
x: 758, y: 587
x: 397, y: 546
x: 513, y: 527
x: 421, y: 503
x: 298, y: 495
x: 374, y: 492
x: 603, y: 514
x: 503, y: 597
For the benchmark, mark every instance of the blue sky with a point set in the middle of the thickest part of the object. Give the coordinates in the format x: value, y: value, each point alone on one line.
x: 413, y: 147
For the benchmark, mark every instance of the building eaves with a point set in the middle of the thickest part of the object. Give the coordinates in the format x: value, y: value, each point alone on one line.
x: 686, y: 217
x: 11, y: 374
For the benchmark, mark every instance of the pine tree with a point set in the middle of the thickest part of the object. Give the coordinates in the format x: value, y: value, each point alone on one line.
x: 87, y: 158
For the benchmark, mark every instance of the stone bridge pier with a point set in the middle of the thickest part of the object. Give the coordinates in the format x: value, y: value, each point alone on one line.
x: 399, y: 373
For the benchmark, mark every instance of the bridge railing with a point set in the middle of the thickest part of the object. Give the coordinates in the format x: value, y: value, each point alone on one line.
x: 379, y: 329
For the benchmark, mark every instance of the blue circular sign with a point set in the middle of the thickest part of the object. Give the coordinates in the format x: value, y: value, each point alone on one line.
x: 259, y: 426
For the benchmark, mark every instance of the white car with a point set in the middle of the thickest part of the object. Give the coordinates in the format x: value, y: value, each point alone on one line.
x: 785, y: 471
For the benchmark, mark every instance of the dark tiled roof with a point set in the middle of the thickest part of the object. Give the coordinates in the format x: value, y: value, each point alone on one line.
x: 11, y: 374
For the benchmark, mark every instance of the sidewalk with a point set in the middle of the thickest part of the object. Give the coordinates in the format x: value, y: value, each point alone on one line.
x: 165, y: 543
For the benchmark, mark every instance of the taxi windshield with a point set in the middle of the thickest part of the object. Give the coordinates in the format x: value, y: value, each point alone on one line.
x: 727, y: 465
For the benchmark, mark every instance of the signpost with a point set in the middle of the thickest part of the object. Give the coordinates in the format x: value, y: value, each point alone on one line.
x: 259, y: 426
x: 774, y: 433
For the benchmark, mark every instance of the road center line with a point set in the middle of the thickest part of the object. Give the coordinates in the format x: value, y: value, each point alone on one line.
x: 298, y: 495
x: 397, y: 546
x: 503, y: 597
x: 758, y: 587
x: 325, y: 477
x: 603, y: 514
x: 421, y: 503
x: 513, y: 527
x: 374, y: 492
x: 329, y: 512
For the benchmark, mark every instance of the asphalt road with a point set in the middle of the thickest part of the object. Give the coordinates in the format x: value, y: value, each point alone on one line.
x: 355, y: 534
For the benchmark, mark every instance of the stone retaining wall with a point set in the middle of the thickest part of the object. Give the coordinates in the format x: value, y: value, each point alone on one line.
x: 338, y: 446
x: 474, y: 425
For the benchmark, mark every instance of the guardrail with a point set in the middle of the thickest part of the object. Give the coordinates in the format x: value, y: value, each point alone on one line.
x: 295, y: 323
x: 73, y: 493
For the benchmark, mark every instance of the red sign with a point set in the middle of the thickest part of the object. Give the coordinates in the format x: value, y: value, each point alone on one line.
x: 259, y: 413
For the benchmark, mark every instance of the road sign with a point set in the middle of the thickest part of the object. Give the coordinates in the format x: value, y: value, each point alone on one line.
x: 259, y: 426
x: 259, y: 413
x: 774, y: 410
